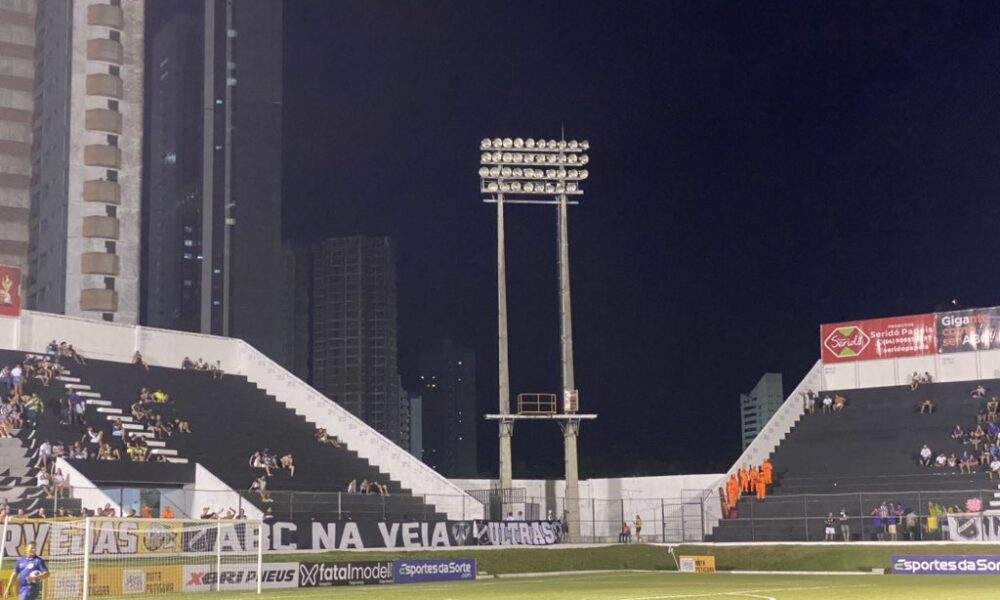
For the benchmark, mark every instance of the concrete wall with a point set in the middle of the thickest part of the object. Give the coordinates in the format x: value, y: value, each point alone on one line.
x: 960, y: 366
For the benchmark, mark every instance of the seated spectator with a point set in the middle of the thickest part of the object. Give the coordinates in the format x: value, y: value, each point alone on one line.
x: 365, y: 487
x: 914, y: 381
x: 92, y: 437
x: 187, y: 364
x: 952, y: 461
x: 827, y: 403
x: 927, y: 407
x: 45, y: 453
x: 979, y: 392
x: 927, y: 378
x: 288, y: 462
x: 325, y: 438
x: 994, y: 468
x: 168, y: 513
x: 72, y: 353
x: 977, y: 436
x: 626, y: 535
x: 58, y: 483
x: 838, y: 403
x: 217, y: 372
x: 160, y: 397
x: 965, y: 463
x: 984, y: 456
x: 992, y: 405
x: 352, y: 487
x: 957, y: 433
x: 982, y: 416
x: 941, y: 460
x: 117, y: 428
x: 925, y: 456
x: 43, y: 481
x: 138, y: 360
x: 182, y: 426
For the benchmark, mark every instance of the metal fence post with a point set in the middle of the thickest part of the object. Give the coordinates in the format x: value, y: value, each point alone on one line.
x: 593, y: 520
x: 663, y: 522
x: 701, y: 507
x: 805, y: 514
x: 861, y: 513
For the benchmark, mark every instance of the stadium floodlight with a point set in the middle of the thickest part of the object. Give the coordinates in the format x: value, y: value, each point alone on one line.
x: 536, y: 173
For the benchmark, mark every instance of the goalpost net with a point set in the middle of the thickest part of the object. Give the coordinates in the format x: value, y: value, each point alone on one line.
x: 120, y: 557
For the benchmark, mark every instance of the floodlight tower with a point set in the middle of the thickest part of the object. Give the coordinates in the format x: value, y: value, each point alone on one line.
x: 548, y: 173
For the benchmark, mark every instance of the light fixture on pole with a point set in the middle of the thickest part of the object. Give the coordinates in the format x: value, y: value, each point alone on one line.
x: 545, y: 172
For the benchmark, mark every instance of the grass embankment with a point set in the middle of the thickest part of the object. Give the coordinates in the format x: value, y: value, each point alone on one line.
x: 655, y: 558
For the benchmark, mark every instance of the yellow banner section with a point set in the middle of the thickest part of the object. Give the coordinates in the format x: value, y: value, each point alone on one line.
x: 697, y: 564
x: 106, y: 581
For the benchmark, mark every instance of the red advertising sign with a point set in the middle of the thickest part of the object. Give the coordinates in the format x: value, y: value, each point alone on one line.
x: 878, y: 338
x: 10, y: 291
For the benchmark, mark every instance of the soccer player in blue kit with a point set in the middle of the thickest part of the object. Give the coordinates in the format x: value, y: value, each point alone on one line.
x: 30, y: 570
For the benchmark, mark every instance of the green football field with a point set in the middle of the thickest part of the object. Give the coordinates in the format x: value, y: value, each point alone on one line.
x: 661, y: 586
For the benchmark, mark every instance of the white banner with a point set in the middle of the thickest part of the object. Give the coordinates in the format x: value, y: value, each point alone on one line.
x: 974, y: 527
x: 202, y: 578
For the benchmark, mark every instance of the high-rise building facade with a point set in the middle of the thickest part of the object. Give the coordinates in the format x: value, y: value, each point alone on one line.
x: 17, y: 77
x: 354, y: 329
x: 448, y: 389
x: 213, y: 254
x: 757, y: 407
x: 86, y: 159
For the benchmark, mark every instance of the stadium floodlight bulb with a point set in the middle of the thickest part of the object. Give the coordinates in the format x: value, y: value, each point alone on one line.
x: 518, y: 157
x: 572, y: 158
x: 492, y: 186
x: 518, y: 143
x: 496, y: 156
x: 550, y: 173
x: 484, y: 171
x: 508, y: 157
x: 505, y: 172
x: 562, y: 158
x: 560, y: 188
x: 529, y: 158
x: 529, y: 173
x: 550, y: 188
x: 516, y: 172
x: 583, y: 174
x: 561, y: 173
x: 584, y: 145
x: 529, y: 143
x: 553, y: 144
x: 572, y: 145
x: 551, y: 158
x: 494, y: 171
x: 505, y: 187
x: 508, y: 143
x: 571, y: 174
x: 497, y: 143
x: 584, y: 159
x: 562, y: 144
x: 486, y: 143
x: 515, y: 186
x: 529, y: 187
x: 486, y: 157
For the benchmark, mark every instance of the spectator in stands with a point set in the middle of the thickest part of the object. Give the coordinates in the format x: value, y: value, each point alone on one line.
x: 977, y: 436
x: 16, y: 379
x: 45, y: 453
x: 138, y: 360
x: 182, y: 426
x: 992, y: 405
x: 877, y: 522
x: 217, y: 371
x: 41, y: 514
x: 259, y: 485
x: 952, y: 461
x: 979, y: 392
x: 59, y: 483
x: 365, y: 487
x: 927, y: 378
x: 845, y: 525
x: 829, y: 533
x: 288, y: 462
x: 994, y: 467
x: 838, y: 403
x: 352, y: 487
x: 168, y: 513
x: 957, y: 434
x: 33, y: 410
x: 965, y: 463
x: 117, y: 429
x: 927, y: 407
x: 160, y: 397
x: 43, y: 481
x: 941, y: 461
x: 809, y: 401
x: 72, y: 353
x: 58, y: 449
x: 325, y: 438
x: 93, y: 438
x: 187, y: 364
x: 77, y: 408
x: 827, y: 403
x: 242, y: 515
x: 638, y: 529
x: 914, y: 381
x: 206, y: 513
x: 985, y: 457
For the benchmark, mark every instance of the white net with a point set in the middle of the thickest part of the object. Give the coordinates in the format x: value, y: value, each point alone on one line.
x: 128, y: 557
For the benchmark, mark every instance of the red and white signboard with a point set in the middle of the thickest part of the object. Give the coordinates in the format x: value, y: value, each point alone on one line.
x: 873, y: 339
x: 10, y: 291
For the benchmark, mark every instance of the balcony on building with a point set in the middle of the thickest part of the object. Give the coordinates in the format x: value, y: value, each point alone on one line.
x: 104, y: 84
x: 99, y: 299
x: 105, y: 50
x: 105, y: 15
x: 99, y: 263
x: 103, y: 119
x: 102, y: 191
x: 100, y: 226
x: 102, y: 155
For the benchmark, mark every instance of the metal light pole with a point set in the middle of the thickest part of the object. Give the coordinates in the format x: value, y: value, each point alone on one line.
x: 547, y: 173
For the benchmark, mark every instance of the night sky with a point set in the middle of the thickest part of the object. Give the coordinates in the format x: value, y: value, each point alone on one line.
x: 757, y: 168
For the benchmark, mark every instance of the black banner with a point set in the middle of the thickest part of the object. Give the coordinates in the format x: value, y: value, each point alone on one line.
x: 968, y: 330
x: 355, y: 535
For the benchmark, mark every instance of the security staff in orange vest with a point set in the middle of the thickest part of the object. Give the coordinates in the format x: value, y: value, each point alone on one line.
x: 761, y: 485
x: 768, y: 469
x: 744, y: 480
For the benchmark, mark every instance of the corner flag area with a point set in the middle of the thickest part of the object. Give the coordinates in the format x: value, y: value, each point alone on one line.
x: 660, y: 586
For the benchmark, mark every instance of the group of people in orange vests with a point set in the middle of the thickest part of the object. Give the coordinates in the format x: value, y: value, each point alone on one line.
x: 749, y: 479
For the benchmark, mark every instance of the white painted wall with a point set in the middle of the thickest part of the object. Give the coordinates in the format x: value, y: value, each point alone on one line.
x: 84, y: 489
x: 960, y: 366
x: 117, y: 342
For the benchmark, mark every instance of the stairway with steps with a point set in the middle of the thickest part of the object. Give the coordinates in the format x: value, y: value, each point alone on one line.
x: 862, y: 456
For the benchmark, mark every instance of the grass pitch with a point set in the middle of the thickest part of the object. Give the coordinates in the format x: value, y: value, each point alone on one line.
x: 659, y: 586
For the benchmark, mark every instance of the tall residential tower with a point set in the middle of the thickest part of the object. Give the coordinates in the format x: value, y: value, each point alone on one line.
x: 86, y: 159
